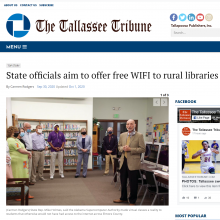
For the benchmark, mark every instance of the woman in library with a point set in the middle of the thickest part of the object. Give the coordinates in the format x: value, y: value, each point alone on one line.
x: 21, y: 134
x: 83, y: 143
x: 19, y: 155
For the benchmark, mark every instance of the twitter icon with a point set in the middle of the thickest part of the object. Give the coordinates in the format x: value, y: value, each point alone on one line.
x: 182, y: 17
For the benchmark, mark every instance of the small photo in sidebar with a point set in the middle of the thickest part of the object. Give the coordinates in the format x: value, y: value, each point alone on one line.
x: 200, y: 157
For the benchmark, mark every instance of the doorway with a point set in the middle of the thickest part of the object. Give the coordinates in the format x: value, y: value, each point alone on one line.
x: 103, y: 130
x: 119, y: 126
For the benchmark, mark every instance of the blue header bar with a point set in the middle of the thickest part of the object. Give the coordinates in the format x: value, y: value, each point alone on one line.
x: 110, y: 46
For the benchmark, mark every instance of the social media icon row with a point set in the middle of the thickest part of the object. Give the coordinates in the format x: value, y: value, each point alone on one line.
x: 191, y: 17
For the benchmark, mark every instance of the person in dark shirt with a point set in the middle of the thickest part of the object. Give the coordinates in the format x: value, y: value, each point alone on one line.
x: 56, y: 140
x: 110, y: 148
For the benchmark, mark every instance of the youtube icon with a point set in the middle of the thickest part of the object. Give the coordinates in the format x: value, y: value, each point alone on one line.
x: 200, y: 17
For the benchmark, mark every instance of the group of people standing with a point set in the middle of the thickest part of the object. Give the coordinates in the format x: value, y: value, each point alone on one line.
x: 25, y: 154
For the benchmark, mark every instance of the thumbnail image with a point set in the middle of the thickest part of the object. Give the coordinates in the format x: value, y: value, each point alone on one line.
x: 200, y: 157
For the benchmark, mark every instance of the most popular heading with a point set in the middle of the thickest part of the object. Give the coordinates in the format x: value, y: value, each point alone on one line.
x: 78, y: 26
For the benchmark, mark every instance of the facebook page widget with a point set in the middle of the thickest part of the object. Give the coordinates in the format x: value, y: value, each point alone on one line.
x: 198, y: 149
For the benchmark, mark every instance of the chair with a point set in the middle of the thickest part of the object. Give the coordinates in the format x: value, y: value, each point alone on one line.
x: 117, y: 173
x: 153, y: 188
x: 96, y: 158
x: 18, y: 191
x: 141, y: 182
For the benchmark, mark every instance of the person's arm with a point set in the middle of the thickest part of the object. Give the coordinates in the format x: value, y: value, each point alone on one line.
x: 215, y: 150
x: 89, y: 146
x: 45, y: 145
x: 197, y: 154
x: 62, y: 147
x: 77, y: 144
x: 187, y: 153
x: 8, y: 159
x: 50, y: 143
x: 23, y: 151
x: 104, y: 144
x: 18, y: 148
x: 63, y: 142
x: 90, y: 143
x: 120, y: 147
x: 115, y: 145
x: 141, y: 146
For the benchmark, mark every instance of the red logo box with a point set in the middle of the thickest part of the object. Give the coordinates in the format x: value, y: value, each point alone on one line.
x: 186, y: 131
x: 185, y: 115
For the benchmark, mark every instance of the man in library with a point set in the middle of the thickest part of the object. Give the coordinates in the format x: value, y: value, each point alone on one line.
x: 131, y: 144
x: 39, y: 145
x: 110, y: 145
x: 56, y: 140
x: 28, y: 142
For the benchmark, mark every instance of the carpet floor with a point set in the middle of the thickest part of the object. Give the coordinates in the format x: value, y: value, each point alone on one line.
x: 95, y: 189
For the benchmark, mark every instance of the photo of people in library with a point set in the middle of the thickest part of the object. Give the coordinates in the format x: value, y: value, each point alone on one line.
x: 113, y: 151
x: 200, y: 157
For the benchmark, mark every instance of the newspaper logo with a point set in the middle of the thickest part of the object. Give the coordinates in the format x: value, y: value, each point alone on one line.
x: 200, y: 17
x: 186, y: 131
x: 185, y: 115
x: 18, y: 25
x: 208, y: 17
x: 173, y: 17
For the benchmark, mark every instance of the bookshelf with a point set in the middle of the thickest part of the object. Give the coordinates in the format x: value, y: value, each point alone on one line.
x: 71, y: 130
x: 95, y: 139
x: 14, y: 120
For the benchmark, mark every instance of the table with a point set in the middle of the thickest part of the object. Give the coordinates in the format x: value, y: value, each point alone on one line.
x: 160, y: 177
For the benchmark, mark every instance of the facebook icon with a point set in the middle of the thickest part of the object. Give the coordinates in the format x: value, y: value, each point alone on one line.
x: 173, y: 17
